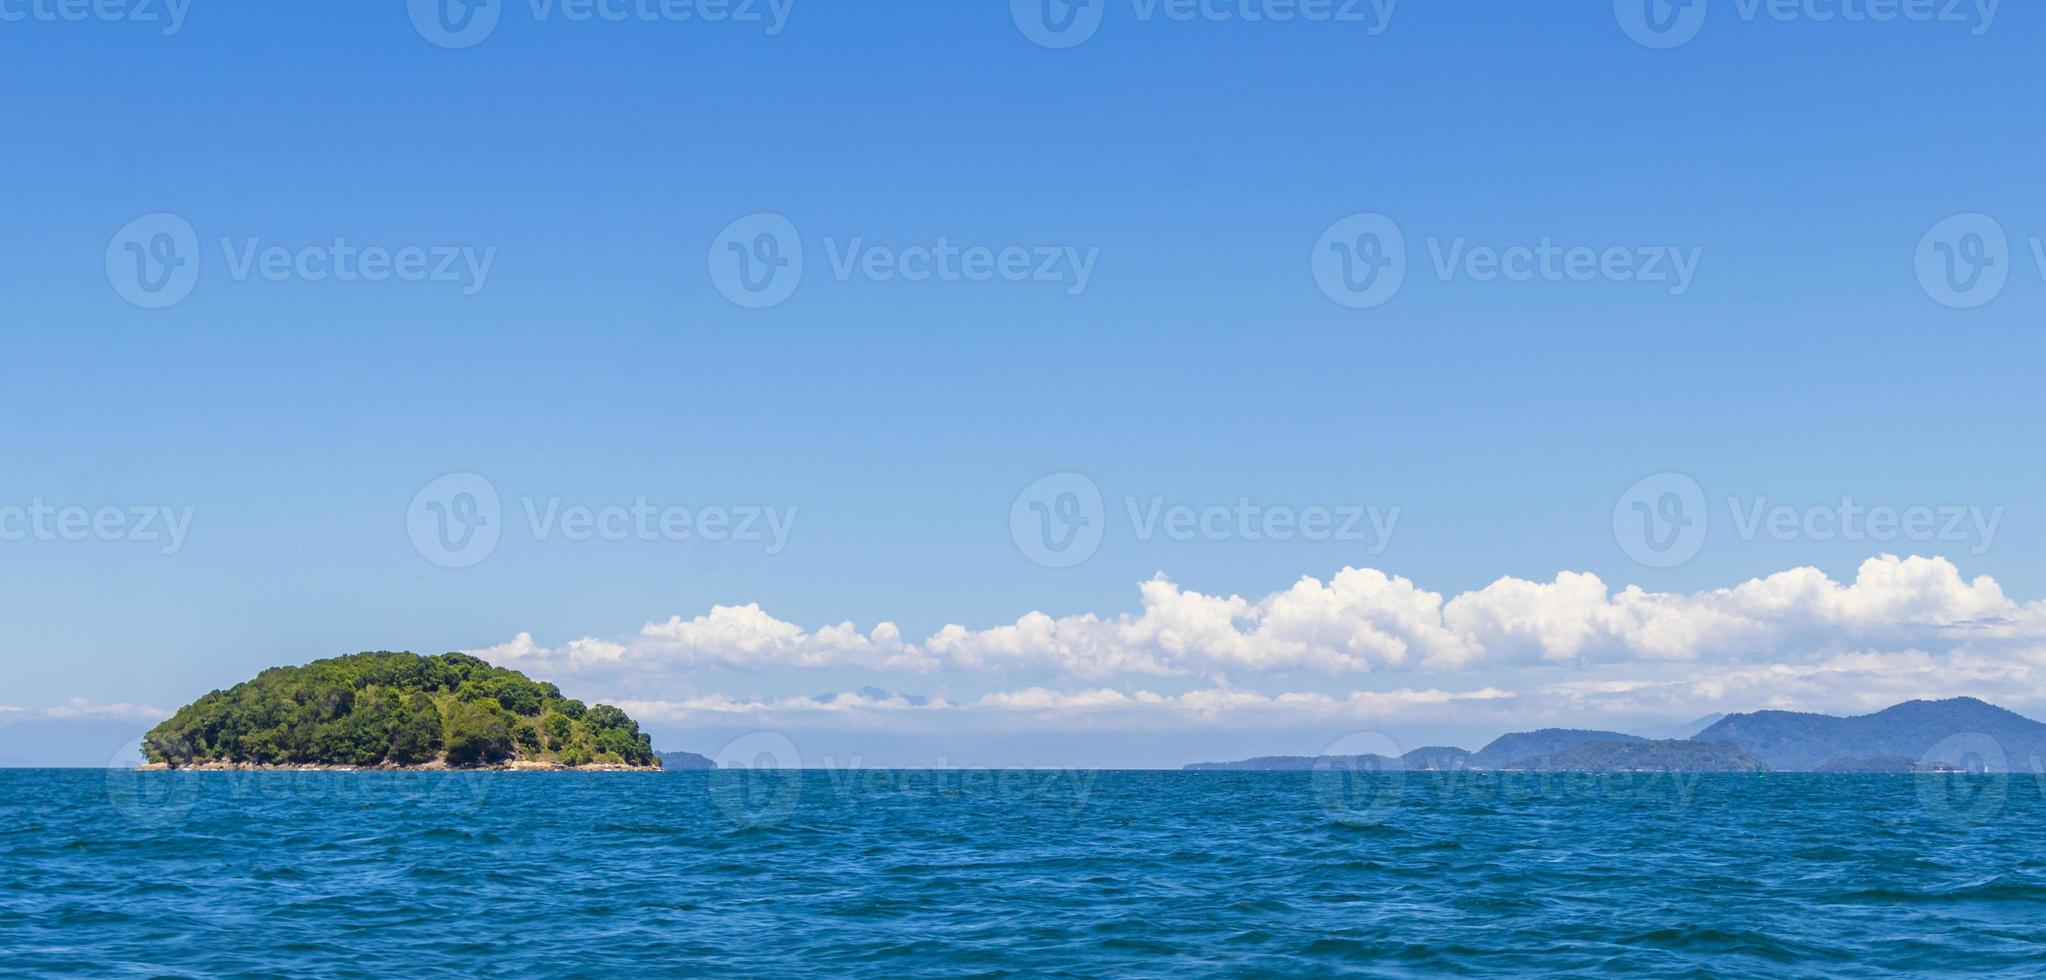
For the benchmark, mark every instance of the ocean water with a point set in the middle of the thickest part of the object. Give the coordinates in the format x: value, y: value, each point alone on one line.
x: 894, y: 873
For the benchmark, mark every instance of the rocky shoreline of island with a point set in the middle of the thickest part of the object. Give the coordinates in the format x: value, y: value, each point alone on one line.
x: 437, y: 766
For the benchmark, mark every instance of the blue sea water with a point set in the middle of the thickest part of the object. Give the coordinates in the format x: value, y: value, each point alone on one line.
x: 892, y: 873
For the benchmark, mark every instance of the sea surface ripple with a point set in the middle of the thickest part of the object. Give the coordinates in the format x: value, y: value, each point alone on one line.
x: 900, y: 872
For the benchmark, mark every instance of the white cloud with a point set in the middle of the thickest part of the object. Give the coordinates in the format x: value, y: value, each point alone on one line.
x: 513, y: 652
x: 1901, y: 627
x: 1361, y: 620
x: 745, y: 636
x: 712, y: 705
x: 78, y: 708
x: 1847, y: 682
x: 1087, y: 706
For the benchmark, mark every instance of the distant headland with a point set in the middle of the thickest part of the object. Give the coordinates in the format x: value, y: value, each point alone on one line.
x: 1957, y: 734
x: 397, y: 711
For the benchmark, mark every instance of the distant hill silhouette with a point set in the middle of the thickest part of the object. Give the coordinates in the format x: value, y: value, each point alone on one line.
x: 1963, y: 732
x: 1506, y: 750
x: 1299, y: 763
x: 1667, y: 755
x: 1437, y: 757
x: 1685, y: 730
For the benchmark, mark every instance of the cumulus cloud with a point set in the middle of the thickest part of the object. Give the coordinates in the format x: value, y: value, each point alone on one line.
x: 80, y: 708
x: 714, y: 705
x: 1850, y: 682
x: 1141, y: 707
x: 1904, y: 626
x: 1363, y: 620
x: 745, y: 636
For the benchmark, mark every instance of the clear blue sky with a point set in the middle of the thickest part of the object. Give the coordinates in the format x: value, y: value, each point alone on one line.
x: 600, y: 363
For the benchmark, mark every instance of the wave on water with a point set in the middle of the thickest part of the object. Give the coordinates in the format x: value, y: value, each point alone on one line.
x: 1119, y: 873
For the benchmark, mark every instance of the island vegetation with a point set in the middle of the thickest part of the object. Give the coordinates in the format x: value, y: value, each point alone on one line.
x: 397, y: 710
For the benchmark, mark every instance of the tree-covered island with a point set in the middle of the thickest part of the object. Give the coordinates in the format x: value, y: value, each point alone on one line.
x: 397, y: 710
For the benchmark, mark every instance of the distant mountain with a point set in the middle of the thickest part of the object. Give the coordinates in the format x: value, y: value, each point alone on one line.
x: 1293, y: 763
x: 1967, y: 733
x: 1437, y: 757
x: 1958, y: 734
x: 1636, y: 755
x: 1698, y: 725
x: 1506, y: 750
x: 1432, y: 757
x: 672, y: 761
x: 1886, y: 763
x: 1500, y: 754
x: 68, y: 743
x: 1685, y: 730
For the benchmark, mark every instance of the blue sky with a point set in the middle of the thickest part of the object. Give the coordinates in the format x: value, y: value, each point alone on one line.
x: 894, y: 423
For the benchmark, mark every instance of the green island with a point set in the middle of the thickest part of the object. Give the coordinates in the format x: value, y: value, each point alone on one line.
x: 387, y: 710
